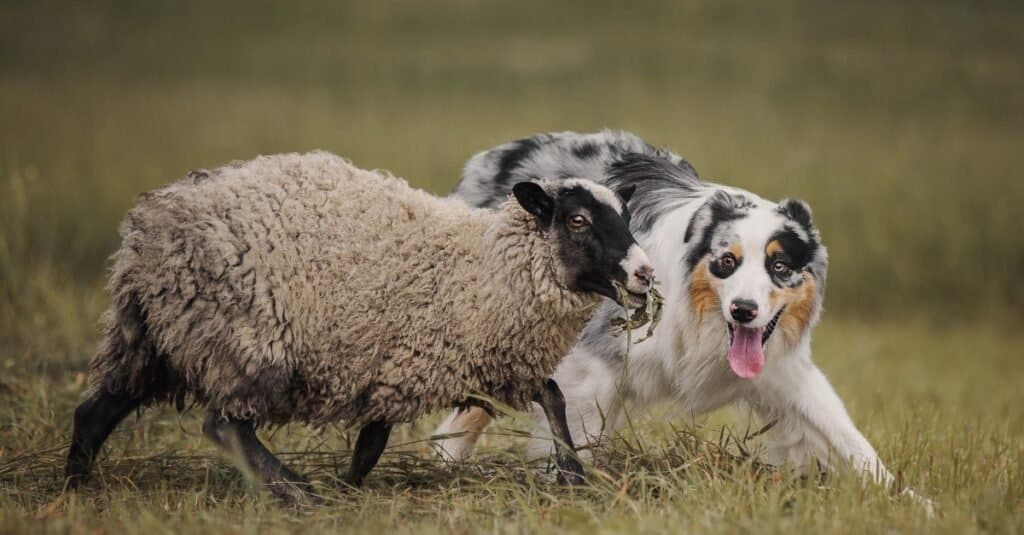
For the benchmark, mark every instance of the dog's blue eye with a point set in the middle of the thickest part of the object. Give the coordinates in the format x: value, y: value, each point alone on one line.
x: 781, y: 268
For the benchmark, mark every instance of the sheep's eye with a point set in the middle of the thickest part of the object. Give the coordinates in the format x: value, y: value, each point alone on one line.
x: 577, y: 222
x: 780, y: 268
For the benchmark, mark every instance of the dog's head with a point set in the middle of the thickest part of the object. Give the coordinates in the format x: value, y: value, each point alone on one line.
x: 755, y: 269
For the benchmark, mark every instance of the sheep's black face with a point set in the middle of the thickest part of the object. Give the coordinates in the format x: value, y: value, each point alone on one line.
x: 589, y: 224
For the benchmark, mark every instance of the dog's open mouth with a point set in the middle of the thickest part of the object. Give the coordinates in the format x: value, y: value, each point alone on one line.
x: 746, y: 347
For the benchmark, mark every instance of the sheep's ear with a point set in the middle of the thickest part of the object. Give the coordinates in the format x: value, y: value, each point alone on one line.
x: 535, y: 200
x: 627, y: 193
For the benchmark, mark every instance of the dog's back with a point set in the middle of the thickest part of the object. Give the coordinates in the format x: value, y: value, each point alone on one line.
x: 489, y: 176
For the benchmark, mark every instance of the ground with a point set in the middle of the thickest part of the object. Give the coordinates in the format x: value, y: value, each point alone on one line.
x: 942, y: 406
x: 900, y: 123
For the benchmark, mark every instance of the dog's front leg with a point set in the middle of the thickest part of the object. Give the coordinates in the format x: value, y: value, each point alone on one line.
x: 811, y: 420
x: 811, y: 423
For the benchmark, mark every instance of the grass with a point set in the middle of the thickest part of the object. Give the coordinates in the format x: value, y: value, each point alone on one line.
x: 899, y: 123
x: 911, y: 389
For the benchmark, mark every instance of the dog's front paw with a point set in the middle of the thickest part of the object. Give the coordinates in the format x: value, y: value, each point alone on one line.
x: 926, y: 503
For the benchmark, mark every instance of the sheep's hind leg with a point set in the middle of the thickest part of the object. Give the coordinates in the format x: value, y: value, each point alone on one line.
x: 238, y: 438
x: 369, y: 446
x: 95, y: 419
x: 550, y: 398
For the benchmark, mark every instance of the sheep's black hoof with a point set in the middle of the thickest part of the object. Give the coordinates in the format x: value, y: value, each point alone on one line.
x: 294, y: 493
x: 348, y: 483
x: 345, y: 487
x: 76, y: 473
x: 570, y: 473
x: 73, y: 482
x: 571, y: 480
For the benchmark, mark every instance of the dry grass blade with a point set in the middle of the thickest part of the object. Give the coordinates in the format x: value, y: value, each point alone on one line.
x: 648, y: 314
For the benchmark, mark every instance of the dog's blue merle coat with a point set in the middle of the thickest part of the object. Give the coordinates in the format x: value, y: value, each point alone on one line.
x: 664, y: 181
x: 687, y: 224
x: 489, y: 176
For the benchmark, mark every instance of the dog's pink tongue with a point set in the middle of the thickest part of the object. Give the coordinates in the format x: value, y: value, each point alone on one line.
x: 746, y: 356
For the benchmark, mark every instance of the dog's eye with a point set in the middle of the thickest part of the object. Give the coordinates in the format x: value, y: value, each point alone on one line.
x: 577, y: 222
x: 780, y: 268
x: 724, y: 266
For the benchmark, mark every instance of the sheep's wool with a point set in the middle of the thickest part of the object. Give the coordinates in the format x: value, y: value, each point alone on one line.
x: 299, y: 287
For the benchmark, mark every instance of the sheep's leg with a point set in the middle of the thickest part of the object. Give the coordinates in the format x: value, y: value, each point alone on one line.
x: 369, y: 446
x: 95, y: 419
x: 550, y: 398
x: 238, y: 438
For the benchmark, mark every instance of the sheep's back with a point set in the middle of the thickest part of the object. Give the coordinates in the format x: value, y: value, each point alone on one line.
x: 271, y: 285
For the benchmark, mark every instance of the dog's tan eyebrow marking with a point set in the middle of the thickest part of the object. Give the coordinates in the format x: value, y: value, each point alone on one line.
x: 703, y: 295
x: 773, y: 247
x: 736, y: 250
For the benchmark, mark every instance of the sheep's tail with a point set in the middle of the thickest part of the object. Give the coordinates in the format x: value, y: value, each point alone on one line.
x: 127, y: 360
x: 125, y: 351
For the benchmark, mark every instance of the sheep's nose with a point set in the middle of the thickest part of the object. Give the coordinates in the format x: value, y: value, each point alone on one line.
x: 743, y: 310
x: 645, y: 275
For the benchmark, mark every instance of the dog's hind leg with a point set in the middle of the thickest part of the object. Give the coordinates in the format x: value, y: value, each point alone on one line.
x: 95, y: 419
x: 470, y: 422
x: 238, y: 438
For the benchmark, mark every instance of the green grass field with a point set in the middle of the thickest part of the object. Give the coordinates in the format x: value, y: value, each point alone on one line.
x: 900, y: 123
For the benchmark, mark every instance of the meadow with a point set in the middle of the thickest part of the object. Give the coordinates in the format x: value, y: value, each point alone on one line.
x: 900, y: 123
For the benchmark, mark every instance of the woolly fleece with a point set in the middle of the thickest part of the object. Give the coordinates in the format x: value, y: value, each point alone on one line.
x: 299, y: 287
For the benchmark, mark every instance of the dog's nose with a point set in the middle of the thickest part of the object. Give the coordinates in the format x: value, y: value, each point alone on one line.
x: 743, y: 310
x: 645, y: 275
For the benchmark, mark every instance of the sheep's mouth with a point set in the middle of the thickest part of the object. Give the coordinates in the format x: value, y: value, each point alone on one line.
x: 609, y: 288
x: 637, y: 299
x: 633, y: 299
x: 746, y: 347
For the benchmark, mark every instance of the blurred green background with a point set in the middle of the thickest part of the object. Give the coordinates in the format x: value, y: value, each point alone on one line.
x: 901, y: 123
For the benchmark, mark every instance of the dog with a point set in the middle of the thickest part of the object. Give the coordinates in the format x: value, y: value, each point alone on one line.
x: 743, y: 280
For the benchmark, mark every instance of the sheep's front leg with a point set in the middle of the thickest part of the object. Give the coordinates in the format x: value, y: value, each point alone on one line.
x: 238, y: 438
x: 550, y: 398
x: 369, y: 446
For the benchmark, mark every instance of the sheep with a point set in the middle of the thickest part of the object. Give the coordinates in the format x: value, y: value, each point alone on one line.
x: 301, y: 288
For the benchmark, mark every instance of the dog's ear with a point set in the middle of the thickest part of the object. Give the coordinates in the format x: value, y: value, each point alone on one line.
x: 817, y: 263
x: 719, y: 207
x: 535, y: 200
x: 797, y: 211
x: 626, y: 193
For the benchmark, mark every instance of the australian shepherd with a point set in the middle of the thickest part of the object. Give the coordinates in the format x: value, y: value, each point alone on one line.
x: 743, y: 280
